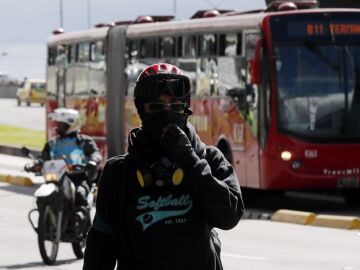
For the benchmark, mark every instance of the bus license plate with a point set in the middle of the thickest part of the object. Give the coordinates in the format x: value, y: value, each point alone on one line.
x: 348, y: 182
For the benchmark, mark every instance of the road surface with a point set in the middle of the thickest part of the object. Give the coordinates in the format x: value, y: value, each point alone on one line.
x: 32, y: 117
x: 253, y: 244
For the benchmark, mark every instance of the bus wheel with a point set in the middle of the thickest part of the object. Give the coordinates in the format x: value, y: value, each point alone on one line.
x: 18, y: 102
x: 352, y: 197
x: 28, y: 103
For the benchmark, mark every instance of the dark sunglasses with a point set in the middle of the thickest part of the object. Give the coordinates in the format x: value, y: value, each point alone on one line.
x: 154, y: 107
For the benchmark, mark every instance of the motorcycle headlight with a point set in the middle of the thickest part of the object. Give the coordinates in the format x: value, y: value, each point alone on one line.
x: 50, y: 177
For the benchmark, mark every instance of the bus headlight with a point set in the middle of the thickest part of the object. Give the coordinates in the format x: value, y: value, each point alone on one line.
x: 286, y: 155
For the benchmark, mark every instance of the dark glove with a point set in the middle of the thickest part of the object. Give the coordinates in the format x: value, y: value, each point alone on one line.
x: 28, y: 167
x: 34, y: 167
x: 91, y: 169
x: 175, y: 142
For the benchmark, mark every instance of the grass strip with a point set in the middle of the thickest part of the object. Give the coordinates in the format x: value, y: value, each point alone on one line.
x: 18, y: 137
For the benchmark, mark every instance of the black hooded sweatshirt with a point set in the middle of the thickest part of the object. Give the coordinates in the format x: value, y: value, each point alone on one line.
x: 167, y: 227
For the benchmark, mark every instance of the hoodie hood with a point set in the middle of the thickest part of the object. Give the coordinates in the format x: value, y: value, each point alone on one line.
x: 144, y: 150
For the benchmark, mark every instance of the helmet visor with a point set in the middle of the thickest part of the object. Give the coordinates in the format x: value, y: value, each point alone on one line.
x: 176, y: 86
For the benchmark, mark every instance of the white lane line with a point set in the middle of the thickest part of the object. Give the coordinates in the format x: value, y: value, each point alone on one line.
x: 238, y: 256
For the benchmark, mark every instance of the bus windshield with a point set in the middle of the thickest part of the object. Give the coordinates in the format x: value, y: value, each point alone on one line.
x: 318, y: 90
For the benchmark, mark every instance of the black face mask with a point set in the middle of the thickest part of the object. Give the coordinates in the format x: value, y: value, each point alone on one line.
x: 154, y: 123
x: 62, y: 128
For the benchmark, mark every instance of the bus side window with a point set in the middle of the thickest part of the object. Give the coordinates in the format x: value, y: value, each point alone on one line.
x: 207, y: 45
x: 167, y: 47
x: 97, y: 51
x: 71, y: 53
x: 179, y: 48
x: 83, y: 53
x: 229, y: 44
x: 134, y: 50
x: 61, y: 56
x: 250, y: 43
x: 239, y: 50
x: 148, y: 48
x: 189, y: 46
x: 51, y: 56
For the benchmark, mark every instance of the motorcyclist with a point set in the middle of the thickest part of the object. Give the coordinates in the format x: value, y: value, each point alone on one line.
x: 74, y: 148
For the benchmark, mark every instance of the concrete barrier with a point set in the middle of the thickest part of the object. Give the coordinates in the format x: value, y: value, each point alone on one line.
x: 20, y: 180
x: 16, y: 180
x: 296, y: 217
x: 341, y: 222
x: 4, y: 177
x: 308, y: 218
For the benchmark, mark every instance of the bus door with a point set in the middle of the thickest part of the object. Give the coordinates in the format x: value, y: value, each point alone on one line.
x: 250, y: 38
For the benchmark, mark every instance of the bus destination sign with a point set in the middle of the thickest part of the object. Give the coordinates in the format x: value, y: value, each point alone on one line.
x: 334, y: 29
x: 317, y: 27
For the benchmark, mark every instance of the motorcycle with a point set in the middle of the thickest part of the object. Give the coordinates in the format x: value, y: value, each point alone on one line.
x: 59, y: 219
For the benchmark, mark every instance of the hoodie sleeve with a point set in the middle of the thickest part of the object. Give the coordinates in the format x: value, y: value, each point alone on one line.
x: 100, y: 252
x: 215, y: 187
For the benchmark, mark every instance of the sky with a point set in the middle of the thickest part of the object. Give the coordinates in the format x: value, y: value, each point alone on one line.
x: 26, y: 25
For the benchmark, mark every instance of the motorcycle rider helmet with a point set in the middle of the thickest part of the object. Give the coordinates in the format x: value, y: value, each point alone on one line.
x: 68, y: 120
x: 161, y: 79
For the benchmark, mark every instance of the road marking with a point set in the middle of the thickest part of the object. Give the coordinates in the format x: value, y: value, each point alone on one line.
x: 243, y: 256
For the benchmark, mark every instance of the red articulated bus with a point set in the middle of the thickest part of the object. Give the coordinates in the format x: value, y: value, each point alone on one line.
x: 277, y: 90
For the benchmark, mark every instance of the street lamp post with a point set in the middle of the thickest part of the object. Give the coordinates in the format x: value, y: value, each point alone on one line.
x: 88, y: 14
x: 174, y: 9
x: 61, y: 13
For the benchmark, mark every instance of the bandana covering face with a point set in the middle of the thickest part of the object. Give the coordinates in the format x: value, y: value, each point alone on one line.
x: 154, y: 123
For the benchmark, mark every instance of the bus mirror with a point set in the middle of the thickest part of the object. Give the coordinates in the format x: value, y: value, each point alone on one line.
x: 255, y: 64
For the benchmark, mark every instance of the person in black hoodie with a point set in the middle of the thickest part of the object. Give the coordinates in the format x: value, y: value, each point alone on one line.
x: 158, y: 205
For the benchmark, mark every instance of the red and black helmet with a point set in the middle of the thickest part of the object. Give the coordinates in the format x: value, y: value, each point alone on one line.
x: 161, y: 79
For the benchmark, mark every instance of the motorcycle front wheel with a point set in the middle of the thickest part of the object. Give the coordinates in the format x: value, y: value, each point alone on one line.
x: 47, y: 236
x: 78, y: 248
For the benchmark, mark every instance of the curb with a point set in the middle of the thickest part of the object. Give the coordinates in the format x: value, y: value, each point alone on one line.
x: 16, y: 180
x: 308, y: 218
x: 255, y: 215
